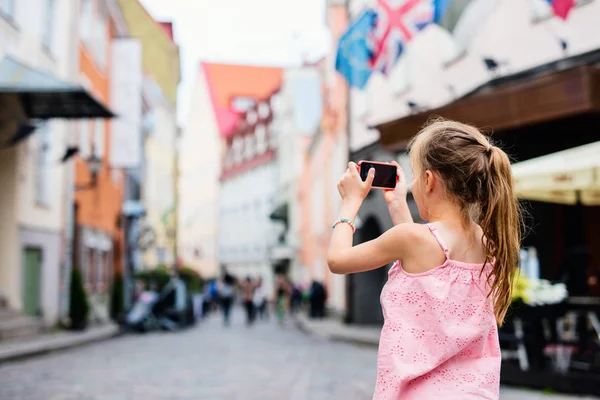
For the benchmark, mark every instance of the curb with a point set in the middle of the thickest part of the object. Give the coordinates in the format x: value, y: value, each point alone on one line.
x: 32, y: 349
x: 355, y: 341
x: 335, y: 337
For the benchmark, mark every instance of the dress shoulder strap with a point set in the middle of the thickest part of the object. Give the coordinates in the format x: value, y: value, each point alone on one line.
x: 437, y: 237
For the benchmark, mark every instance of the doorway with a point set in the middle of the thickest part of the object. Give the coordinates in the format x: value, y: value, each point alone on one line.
x: 32, y: 271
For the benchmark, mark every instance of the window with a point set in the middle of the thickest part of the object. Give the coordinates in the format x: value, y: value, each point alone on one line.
x: 273, y: 138
x: 100, y: 39
x: 99, y: 132
x: 251, y: 117
x: 84, y: 139
x: 7, y: 8
x: 237, y: 150
x: 85, y: 23
x: 89, y: 271
x: 249, y: 147
x: 260, y: 132
x: 263, y: 110
x: 48, y: 24
x: 43, y: 183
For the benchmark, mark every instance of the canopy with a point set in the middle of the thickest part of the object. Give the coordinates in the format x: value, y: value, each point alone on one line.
x: 44, y: 97
x: 565, y: 177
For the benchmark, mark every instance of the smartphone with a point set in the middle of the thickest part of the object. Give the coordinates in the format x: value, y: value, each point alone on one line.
x: 386, y: 175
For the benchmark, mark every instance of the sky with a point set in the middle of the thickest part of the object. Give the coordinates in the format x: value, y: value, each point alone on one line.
x: 254, y: 32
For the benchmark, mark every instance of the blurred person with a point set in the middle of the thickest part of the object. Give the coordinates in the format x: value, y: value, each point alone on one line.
x: 260, y: 300
x: 450, y: 285
x: 317, y: 298
x: 295, y: 299
x: 282, y: 291
x: 225, y: 293
x: 248, y: 287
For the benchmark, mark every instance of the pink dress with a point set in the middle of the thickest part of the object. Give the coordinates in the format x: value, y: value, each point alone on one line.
x: 440, y: 338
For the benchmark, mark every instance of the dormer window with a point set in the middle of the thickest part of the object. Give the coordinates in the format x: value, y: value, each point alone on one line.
x: 264, y: 110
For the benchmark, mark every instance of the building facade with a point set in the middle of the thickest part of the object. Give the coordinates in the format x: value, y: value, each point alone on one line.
x: 33, y: 183
x: 533, y: 90
x: 227, y: 168
x: 249, y: 177
x: 325, y: 162
x: 161, y: 66
x: 297, y: 110
x: 98, y: 196
x: 199, y: 172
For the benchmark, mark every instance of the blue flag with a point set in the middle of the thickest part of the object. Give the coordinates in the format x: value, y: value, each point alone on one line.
x: 353, y: 58
x: 439, y: 7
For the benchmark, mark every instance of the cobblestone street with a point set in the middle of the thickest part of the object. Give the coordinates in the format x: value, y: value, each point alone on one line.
x: 206, y: 362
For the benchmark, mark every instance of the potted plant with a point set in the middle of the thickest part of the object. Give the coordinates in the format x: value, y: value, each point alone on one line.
x: 79, y: 306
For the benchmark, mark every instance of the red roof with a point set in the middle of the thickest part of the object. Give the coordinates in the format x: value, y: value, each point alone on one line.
x: 227, y: 81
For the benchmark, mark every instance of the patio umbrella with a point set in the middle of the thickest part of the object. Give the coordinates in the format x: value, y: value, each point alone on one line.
x: 567, y: 177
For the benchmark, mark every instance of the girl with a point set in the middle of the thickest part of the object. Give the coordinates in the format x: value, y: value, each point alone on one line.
x: 451, y: 284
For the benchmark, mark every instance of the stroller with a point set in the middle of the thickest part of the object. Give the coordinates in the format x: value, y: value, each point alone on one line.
x: 171, y: 309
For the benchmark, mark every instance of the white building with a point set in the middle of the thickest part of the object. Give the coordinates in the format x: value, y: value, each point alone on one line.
x: 199, y: 171
x: 297, y: 111
x: 35, y: 35
x: 158, y: 189
x: 249, y: 188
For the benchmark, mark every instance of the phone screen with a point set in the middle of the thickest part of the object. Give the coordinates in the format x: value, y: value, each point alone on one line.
x: 385, y: 174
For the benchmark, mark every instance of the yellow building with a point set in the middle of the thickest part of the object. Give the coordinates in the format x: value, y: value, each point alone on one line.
x: 161, y: 64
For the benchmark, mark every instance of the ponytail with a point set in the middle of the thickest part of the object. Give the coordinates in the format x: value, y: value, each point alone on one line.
x: 479, y: 178
x: 500, y: 222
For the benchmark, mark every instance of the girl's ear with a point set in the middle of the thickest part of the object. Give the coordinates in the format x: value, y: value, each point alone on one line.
x: 429, y: 181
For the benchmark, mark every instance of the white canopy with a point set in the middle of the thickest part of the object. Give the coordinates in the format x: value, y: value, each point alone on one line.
x: 564, y: 177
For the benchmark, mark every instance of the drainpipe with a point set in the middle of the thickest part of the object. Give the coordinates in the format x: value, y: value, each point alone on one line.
x: 70, y: 217
x: 348, y: 318
x: 176, y: 200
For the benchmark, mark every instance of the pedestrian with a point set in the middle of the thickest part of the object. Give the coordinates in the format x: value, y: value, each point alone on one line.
x: 450, y: 285
x: 226, y: 289
x: 247, y: 287
x: 260, y: 300
x: 317, y: 299
x: 282, y: 292
x: 295, y: 299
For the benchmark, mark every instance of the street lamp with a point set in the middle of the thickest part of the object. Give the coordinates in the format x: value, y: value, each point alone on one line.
x: 94, y: 164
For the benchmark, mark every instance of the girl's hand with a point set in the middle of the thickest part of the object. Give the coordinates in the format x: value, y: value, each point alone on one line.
x: 398, y: 193
x: 352, y: 187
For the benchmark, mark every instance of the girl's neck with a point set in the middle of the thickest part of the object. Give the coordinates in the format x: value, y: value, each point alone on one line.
x: 447, y: 213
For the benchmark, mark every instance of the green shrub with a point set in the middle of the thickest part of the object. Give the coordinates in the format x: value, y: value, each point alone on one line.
x: 192, y: 279
x: 156, y: 278
x: 116, y: 297
x: 79, y: 306
x: 160, y: 276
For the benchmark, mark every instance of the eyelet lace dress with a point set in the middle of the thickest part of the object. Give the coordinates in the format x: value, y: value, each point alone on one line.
x: 440, y: 338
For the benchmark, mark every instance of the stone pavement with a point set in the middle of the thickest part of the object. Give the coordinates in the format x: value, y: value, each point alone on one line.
x: 209, y: 362
x: 55, y: 341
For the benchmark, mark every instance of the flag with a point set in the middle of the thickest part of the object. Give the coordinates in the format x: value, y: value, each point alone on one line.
x: 395, y: 27
x: 561, y: 8
x: 354, y: 53
x: 461, y: 19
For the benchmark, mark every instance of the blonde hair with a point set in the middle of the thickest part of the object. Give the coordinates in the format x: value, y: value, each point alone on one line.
x: 478, y: 177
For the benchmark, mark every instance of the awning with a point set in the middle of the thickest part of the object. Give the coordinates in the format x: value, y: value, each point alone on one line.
x: 565, y: 177
x: 44, y: 97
